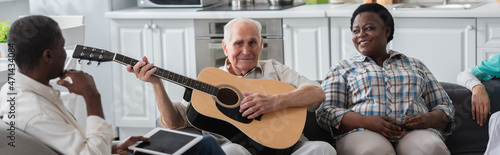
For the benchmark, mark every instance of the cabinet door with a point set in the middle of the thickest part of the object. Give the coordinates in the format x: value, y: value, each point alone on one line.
x: 134, y: 101
x: 445, y: 46
x: 486, y: 53
x: 306, y: 46
x: 173, y: 42
x: 341, y: 37
x: 488, y: 32
x: 488, y: 38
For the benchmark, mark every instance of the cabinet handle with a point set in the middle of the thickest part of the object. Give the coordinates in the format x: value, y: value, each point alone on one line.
x: 285, y: 26
x: 146, y: 26
x: 154, y: 26
x: 469, y: 27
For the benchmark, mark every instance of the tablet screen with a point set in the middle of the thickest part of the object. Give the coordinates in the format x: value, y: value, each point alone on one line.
x: 166, y: 142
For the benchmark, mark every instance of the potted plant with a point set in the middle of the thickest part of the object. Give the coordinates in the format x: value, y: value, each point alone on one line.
x: 4, y: 30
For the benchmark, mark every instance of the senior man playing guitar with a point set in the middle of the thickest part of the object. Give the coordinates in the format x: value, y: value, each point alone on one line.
x: 242, y: 45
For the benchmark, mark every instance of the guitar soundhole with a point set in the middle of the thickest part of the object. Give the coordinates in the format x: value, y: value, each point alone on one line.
x: 227, y: 96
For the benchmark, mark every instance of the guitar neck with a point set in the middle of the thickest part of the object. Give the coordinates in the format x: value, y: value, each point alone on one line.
x: 171, y: 76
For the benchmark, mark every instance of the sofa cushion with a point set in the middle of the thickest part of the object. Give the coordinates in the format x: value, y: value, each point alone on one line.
x: 313, y: 132
x: 493, y: 89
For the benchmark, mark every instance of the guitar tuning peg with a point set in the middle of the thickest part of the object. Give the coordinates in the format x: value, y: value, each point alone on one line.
x: 88, y: 63
x: 98, y: 63
x: 79, y: 61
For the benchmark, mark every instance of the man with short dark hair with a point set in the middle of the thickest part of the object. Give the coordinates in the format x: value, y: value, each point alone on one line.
x: 38, y: 46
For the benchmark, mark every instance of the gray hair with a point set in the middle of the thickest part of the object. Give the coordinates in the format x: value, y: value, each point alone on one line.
x: 228, y: 28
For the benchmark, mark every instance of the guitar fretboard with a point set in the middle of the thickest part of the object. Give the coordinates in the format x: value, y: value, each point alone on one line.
x: 171, y: 76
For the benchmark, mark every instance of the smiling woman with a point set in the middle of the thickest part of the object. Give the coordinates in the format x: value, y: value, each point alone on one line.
x: 366, y: 92
x: 370, y: 36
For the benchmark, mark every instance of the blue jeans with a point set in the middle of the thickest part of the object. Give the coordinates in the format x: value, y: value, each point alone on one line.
x: 207, y: 146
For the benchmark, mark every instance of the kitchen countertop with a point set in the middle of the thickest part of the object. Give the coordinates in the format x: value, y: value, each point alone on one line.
x: 486, y: 10
x: 303, y: 11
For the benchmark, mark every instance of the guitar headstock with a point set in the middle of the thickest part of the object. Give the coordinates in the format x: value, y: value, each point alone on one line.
x: 92, y: 54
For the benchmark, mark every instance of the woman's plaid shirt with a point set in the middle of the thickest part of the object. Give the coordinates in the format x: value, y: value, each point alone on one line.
x: 403, y: 85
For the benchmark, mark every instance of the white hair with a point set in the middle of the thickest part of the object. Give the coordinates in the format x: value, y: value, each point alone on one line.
x: 229, y: 27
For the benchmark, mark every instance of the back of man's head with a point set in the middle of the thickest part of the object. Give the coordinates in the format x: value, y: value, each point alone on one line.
x: 30, y: 36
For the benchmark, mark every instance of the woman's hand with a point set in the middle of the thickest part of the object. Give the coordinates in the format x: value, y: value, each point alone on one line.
x: 382, y: 126
x: 418, y: 121
x: 144, y: 70
x: 480, y: 104
x: 352, y: 120
x: 435, y: 119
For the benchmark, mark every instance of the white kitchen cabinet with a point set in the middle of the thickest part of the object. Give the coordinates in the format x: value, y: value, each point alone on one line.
x: 488, y: 38
x: 447, y: 46
x: 486, y: 53
x: 306, y: 46
x: 341, y: 43
x: 168, y: 44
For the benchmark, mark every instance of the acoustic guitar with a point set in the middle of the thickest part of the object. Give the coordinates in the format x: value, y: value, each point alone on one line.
x: 215, y: 104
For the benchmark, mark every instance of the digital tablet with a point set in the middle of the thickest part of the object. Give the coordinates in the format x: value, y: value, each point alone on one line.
x: 165, y: 141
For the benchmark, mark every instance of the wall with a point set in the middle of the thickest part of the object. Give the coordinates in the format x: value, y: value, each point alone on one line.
x: 12, y: 9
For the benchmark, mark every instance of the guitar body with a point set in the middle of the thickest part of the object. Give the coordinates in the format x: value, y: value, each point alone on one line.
x: 272, y: 133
